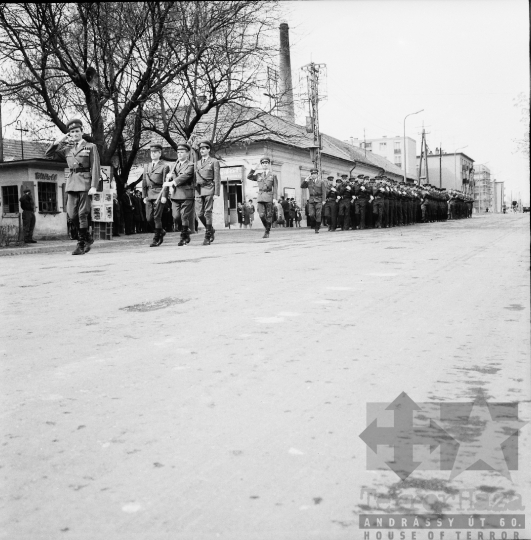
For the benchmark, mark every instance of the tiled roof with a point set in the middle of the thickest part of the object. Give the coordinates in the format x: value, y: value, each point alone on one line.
x: 32, y: 150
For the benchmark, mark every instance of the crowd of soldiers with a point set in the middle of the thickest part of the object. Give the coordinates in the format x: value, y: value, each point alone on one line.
x: 379, y: 202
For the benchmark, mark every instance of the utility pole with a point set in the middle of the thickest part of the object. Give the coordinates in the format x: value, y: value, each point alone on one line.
x: 440, y: 165
x: 314, y: 74
x: 21, y: 129
x: 424, y: 156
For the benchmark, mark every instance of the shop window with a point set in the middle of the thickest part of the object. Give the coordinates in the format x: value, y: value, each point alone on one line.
x: 47, y: 197
x: 10, y: 200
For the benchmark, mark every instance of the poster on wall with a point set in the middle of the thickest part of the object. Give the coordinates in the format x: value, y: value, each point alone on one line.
x: 101, y: 208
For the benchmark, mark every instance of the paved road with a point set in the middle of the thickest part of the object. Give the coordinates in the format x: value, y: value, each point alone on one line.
x: 219, y: 392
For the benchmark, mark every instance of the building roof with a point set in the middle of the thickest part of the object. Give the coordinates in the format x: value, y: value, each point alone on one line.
x: 32, y: 149
x: 436, y: 155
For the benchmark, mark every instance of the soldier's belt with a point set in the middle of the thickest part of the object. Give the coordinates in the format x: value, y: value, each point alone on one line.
x: 80, y: 169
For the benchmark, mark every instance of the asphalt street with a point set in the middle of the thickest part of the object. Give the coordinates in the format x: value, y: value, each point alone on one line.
x: 205, y: 392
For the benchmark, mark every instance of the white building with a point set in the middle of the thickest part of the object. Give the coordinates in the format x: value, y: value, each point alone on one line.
x: 392, y: 149
x: 483, y: 193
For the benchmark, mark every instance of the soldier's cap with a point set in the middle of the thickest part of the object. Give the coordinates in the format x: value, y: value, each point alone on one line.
x: 205, y: 142
x: 155, y: 144
x: 352, y: 178
x: 314, y: 171
x: 344, y: 176
x: 329, y: 177
x: 128, y: 187
x: 74, y: 123
x: 339, y: 180
x: 265, y: 158
x: 365, y: 177
x: 183, y: 146
x: 360, y: 176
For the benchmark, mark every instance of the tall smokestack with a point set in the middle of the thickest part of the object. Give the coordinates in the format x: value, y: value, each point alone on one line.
x: 286, y: 107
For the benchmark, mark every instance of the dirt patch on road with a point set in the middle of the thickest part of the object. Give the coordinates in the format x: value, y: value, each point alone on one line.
x: 157, y: 304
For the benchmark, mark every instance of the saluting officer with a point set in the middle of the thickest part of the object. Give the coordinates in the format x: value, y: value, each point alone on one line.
x: 180, y: 187
x: 208, y: 184
x: 267, y: 191
x: 83, y: 161
x: 153, y: 179
x: 317, y: 191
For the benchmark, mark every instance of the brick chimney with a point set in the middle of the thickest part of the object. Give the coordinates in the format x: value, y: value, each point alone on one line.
x: 286, y: 107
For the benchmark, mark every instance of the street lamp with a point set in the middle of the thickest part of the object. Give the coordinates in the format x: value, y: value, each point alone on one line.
x: 455, y: 164
x: 405, y: 153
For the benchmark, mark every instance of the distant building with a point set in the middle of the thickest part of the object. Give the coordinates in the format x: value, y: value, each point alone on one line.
x: 450, y: 171
x: 392, y: 149
x: 43, y: 177
x: 499, y: 196
x: 483, y: 189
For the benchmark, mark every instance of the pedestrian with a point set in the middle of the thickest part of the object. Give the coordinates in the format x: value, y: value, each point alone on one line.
x: 180, y: 188
x: 252, y: 210
x: 138, y: 224
x: 153, y: 179
x: 298, y: 216
x: 28, y: 216
x: 83, y: 162
x: 116, y: 214
x: 278, y: 214
x: 128, y: 208
x: 317, y: 194
x: 208, y: 185
x: 245, y: 212
x: 267, y: 191
x: 285, y: 209
x: 239, y: 211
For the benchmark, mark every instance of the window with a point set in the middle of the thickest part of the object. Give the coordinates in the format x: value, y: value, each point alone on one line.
x: 47, y: 196
x: 383, y: 146
x: 398, y: 149
x: 10, y: 200
x: 398, y: 161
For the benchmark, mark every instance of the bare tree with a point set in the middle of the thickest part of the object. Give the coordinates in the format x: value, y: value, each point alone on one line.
x: 522, y: 102
x: 221, y: 96
x: 101, y: 60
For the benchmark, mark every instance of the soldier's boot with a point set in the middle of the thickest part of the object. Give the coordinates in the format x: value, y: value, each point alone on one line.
x: 268, y: 228
x: 156, y: 238
x: 317, y: 227
x: 80, y: 248
x: 202, y: 219
x: 89, y: 240
x: 162, y: 234
x: 185, y: 236
x: 206, y: 241
x: 212, y: 233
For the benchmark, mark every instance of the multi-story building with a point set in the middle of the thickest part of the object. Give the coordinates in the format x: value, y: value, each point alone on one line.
x: 392, y: 149
x: 499, y: 196
x: 483, y: 192
x: 450, y: 171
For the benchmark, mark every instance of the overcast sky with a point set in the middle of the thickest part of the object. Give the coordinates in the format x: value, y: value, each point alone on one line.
x: 463, y: 62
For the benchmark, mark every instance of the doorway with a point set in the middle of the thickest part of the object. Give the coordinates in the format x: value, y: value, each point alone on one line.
x: 232, y: 195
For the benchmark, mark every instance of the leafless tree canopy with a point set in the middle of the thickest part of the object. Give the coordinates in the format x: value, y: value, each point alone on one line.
x: 155, y: 61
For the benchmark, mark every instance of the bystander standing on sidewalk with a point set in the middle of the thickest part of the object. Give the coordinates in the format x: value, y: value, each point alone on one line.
x: 28, y: 216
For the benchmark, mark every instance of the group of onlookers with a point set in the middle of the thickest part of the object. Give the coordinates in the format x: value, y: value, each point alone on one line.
x: 287, y: 213
x: 245, y: 213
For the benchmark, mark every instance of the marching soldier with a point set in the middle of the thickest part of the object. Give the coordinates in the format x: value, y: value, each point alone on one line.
x: 153, y: 178
x: 360, y: 203
x: 317, y: 194
x: 83, y: 161
x: 332, y: 205
x: 326, y: 207
x: 180, y: 188
x: 208, y: 184
x: 346, y: 191
x: 267, y: 192
x: 378, y: 202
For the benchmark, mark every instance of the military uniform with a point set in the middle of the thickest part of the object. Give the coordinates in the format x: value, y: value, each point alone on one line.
x: 362, y: 195
x: 208, y: 185
x: 378, y: 192
x: 153, y: 178
x: 267, y: 191
x: 346, y: 191
x: 317, y: 194
x: 182, y: 194
x: 83, y: 162
x: 332, y: 206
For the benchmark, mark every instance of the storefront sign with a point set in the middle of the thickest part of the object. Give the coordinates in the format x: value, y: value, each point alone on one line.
x: 232, y: 173
x: 47, y: 177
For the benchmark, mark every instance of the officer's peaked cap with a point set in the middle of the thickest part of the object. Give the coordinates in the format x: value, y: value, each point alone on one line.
x: 329, y: 177
x: 183, y: 146
x: 74, y: 123
x: 361, y: 176
x: 313, y: 170
x: 156, y: 144
x: 205, y: 142
x: 265, y: 158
